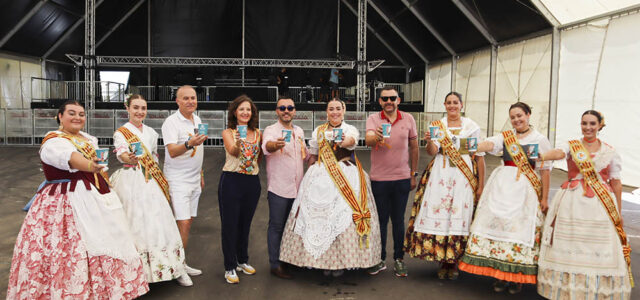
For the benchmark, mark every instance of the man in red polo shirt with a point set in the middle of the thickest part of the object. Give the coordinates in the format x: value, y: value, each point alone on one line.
x: 394, y: 161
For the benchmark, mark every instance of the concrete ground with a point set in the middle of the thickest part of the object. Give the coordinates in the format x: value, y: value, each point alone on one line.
x: 20, y: 175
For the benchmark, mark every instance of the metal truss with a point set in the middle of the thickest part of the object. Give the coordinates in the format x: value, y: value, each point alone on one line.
x: 373, y: 64
x: 224, y: 62
x: 361, y: 80
x: 90, y: 52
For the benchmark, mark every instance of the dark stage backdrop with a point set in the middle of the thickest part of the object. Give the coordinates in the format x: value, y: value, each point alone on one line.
x: 290, y: 29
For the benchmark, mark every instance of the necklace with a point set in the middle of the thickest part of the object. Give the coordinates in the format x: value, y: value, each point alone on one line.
x: 330, y: 125
x: 590, y: 141
x: 523, y: 132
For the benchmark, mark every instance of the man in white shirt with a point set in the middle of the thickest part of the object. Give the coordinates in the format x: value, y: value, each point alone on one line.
x: 183, y: 162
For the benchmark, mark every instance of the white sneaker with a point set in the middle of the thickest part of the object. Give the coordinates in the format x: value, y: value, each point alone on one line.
x: 184, y: 280
x: 231, y: 277
x: 192, y: 271
x: 246, y: 268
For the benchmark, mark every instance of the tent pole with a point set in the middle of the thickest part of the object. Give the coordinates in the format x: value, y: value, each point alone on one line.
x: 492, y: 90
x: 553, y: 93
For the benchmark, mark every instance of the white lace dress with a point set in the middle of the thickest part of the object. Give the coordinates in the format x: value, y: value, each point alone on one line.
x: 581, y: 254
x: 320, y: 232
x: 149, y: 214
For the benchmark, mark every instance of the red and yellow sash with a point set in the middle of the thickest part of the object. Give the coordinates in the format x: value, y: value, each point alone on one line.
x: 150, y: 166
x: 83, y: 147
x: 520, y: 159
x: 582, y: 159
x: 361, y: 214
x: 449, y: 150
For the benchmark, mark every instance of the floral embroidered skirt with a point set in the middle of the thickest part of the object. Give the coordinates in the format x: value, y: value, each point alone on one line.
x: 152, y: 225
x: 503, y: 260
x: 431, y: 247
x: 55, y: 257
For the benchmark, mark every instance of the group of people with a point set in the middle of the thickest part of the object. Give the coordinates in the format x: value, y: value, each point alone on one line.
x: 91, y: 236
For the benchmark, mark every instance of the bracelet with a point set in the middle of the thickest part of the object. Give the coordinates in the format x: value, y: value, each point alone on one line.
x: 542, y: 157
x: 90, y: 167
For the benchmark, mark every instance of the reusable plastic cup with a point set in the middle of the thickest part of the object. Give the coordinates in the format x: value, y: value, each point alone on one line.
x: 386, y: 130
x: 103, y: 156
x: 136, y: 148
x: 203, y: 128
x: 435, y: 132
x: 286, y: 134
x: 242, y: 131
x: 532, y: 151
x: 337, y: 135
x: 472, y: 144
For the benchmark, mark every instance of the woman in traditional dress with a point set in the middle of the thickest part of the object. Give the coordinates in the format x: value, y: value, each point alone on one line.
x: 444, y: 202
x: 505, y: 234
x: 144, y: 192
x: 75, y: 241
x: 239, y: 187
x: 333, y: 224
x: 585, y: 252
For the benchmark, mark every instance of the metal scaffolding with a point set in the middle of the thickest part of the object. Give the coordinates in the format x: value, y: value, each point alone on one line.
x: 90, y: 61
x: 90, y: 52
x: 361, y: 80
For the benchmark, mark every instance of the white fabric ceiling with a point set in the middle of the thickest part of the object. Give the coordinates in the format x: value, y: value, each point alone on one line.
x: 567, y: 11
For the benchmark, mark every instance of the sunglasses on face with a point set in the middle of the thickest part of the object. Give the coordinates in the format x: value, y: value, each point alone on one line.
x: 289, y: 108
x: 388, y: 98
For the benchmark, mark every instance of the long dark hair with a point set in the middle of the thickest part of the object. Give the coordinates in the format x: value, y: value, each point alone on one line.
x: 598, y: 115
x: 232, y: 121
x: 63, y: 108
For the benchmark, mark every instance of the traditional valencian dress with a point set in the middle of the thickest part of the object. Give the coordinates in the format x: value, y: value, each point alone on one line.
x: 333, y: 222
x: 144, y: 193
x: 443, y: 204
x: 75, y: 241
x: 583, y: 254
x: 506, y: 230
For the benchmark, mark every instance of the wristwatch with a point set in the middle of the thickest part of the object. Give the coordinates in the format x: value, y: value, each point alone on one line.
x: 186, y: 145
x: 415, y: 174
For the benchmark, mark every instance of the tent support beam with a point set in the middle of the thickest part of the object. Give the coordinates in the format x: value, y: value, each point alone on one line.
x: 429, y: 27
x: 546, y: 12
x: 398, y: 31
x: 553, y: 92
x: 22, y: 21
x: 472, y: 18
x: 124, y: 18
x: 492, y: 89
x: 67, y: 34
x: 380, y: 38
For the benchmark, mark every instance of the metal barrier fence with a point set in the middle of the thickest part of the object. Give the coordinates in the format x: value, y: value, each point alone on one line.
x: 28, y: 127
x: 47, y: 89
x: 204, y: 93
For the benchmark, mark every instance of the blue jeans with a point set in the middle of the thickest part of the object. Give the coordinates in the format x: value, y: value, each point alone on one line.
x: 391, y: 201
x: 279, y: 208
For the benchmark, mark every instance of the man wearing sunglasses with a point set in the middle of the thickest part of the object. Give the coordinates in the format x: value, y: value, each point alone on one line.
x: 394, y: 161
x: 284, y: 174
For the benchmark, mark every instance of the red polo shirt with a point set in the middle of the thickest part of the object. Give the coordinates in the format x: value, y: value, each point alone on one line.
x: 390, y: 164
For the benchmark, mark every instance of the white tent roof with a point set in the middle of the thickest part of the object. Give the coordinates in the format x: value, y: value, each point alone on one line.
x: 568, y: 11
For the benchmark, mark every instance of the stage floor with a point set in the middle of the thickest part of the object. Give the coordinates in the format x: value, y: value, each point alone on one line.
x: 20, y: 176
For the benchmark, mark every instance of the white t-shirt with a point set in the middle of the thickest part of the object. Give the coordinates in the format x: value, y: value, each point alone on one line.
x: 183, y: 169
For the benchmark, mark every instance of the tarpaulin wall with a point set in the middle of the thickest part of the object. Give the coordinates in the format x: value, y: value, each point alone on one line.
x: 472, y: 81
x: 599, y: 66
x: 15, y: 82
x: 523, y: 75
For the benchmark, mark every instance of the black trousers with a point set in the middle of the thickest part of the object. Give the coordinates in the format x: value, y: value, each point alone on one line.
x: 238, y: 196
